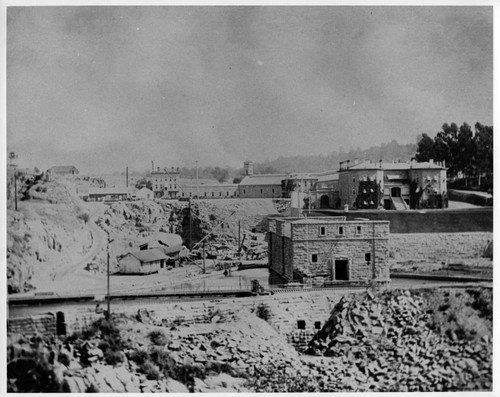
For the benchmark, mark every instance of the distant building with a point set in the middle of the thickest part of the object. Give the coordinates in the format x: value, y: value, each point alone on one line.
x: 396, y: 186
x: 327, y: 250
x: 64, y: 170
x: 213, y: 191
x: 144, y: 194
x: 108, y: 194
x: 165, y: 182
x: 261, y: 186
x: 299, y: 182
x: 143, y: 262
x: 326, y: 190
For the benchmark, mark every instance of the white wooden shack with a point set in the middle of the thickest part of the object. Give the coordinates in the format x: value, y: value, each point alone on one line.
x: 143, y: 262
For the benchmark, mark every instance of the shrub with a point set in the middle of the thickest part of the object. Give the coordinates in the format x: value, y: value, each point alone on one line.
x: 158, y: 337
x: 63, y: 358
x: 113, y: 357
x: 139, y: 356
x: 263, y: 312
x: 150, y: 370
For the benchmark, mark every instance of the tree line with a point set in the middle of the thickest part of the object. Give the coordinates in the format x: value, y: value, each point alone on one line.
x: 468, y: 154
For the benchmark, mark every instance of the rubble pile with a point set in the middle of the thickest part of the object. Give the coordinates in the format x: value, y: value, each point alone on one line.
x: 393, y: 341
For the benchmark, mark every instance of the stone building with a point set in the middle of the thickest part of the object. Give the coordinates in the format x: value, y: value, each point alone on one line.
x: 209, y: 191
x: 392, y: 186
x: 64, y: 170
x: 261, y: 186
x: 165, y: 182
x: 327, y: 250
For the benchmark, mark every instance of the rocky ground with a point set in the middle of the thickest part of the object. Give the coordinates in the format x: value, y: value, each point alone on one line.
x: 418, y: 340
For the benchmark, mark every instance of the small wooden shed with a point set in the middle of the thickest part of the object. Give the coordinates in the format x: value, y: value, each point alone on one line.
x: 142, y: 262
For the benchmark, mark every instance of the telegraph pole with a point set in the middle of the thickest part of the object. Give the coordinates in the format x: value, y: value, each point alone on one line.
x: 15, y: 188
x: 108, y: 313
x: 204, y: 258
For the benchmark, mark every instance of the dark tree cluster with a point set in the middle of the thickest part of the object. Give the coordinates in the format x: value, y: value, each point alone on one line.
x: 468, y: 154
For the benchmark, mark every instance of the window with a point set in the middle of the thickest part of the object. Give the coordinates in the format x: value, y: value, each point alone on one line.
x: 368, y: 257
x: 358, y: 229
x: 353, y: 192
x: 341, y: 230
x: 353, y: 180
x: 273, y: 191
x: 322, y: 230
x: 317, y: 325
x: 301, y: 324
x: 190, y: 194
x: 213, y: 194
x: 261, y: 191
x: 220, y: 194
x: 314, y: 258
x: 205, y: 194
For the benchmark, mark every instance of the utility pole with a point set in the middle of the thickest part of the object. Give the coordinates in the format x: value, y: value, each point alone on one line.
x: 108, y: 313
x: 239, y: 235
x: 197, y: 188
x: 15, y: 188
x: 204, y: 258
x: 190, y: 227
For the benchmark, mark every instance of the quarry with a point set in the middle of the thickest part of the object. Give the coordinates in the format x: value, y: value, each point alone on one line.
x: 185, y: 328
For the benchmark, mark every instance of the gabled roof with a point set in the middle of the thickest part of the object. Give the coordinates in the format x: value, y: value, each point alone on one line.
x: 108, y: 190
x: 262, y: 179
x: 63, y: 168
x: 151, y: 255
x: 172, y: 250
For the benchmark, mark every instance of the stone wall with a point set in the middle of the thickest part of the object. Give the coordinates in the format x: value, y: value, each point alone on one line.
x: 440, y: 247
x: 44, y: 324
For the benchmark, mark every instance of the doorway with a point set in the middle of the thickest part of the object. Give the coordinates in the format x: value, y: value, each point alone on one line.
x: 342, y: 269
x: 396, y: 192
x: 325, y: 201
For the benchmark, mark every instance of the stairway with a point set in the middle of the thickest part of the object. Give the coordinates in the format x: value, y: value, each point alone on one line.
x: 399, y: 204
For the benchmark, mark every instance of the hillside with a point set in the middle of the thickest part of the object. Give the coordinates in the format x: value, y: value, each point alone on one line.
x: 55, y: 238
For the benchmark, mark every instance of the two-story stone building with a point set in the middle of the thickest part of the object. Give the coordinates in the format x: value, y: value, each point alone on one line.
x: 327, y: 250
x: 392, y: 186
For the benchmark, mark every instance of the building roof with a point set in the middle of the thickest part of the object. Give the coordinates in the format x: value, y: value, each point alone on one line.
x: 151, y: 255
x: 144, y: 190
x: 328, y: 177
x: 63, y: 168
x: 386, y: 166
x: 172, y: 250
x: 108, y: 190
x: 263, y: 179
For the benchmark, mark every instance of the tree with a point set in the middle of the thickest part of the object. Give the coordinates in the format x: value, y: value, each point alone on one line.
x: 144, y: 182
x: 484, y: 149
x: 425, y: 149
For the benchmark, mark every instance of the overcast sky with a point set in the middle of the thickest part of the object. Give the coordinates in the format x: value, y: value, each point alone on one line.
x: 101, y: 87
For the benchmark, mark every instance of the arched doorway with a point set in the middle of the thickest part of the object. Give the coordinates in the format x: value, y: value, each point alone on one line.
x: 396, y: 192
x: 324, y: 201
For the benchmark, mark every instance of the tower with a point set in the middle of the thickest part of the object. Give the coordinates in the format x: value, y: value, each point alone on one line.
x: 248, y: 167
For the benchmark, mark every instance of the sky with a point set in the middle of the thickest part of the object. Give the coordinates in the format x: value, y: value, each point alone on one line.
x: 105, y: 87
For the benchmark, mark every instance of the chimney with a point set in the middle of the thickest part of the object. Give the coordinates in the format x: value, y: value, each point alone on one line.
x: 152, y: 166
x: 380, y: 164
x: 431, y: 161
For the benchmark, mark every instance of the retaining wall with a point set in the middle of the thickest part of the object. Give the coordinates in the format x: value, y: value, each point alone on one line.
x: 426, y: 221
x: 438, y: 246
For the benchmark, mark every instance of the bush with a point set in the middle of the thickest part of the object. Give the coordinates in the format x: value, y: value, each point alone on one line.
x: 158, y: 338
x: 263, y: 312
x: 63, y: 358
x: 150, y: 370
x: 113, y: 357
x: 139, y: 356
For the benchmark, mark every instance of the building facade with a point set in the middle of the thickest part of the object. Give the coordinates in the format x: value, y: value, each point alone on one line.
x: 261, y: 186
x: 165, y: 182
x: 327, y: 250
x: 392, y: 186
x: 64, y: 170
x: 143, y: 262
x: 213, y: 191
